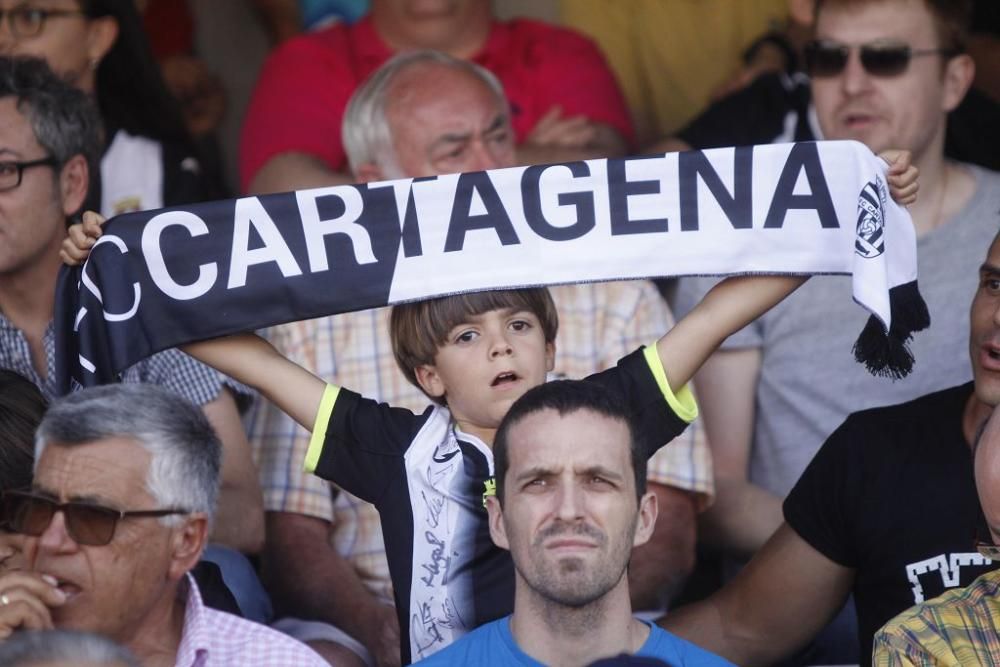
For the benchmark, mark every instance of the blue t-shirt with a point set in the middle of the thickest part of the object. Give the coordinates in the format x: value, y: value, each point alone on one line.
x: 493, y: 644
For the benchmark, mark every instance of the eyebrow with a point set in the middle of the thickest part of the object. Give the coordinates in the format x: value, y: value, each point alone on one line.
x: 457, y: 138
x: 85, y: 498
x: 989, y: 269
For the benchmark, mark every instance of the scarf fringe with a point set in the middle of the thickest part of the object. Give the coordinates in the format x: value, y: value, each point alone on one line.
x: 887, y: 354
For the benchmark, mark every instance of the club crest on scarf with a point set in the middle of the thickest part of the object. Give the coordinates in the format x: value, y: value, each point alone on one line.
x: 871, y: 222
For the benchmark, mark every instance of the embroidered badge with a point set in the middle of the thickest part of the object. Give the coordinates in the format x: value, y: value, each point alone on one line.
x: 489, y: 489
x: 870, y: 240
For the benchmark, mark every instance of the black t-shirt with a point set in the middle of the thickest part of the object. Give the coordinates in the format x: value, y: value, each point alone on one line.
x: 427, y: 479
x: 891, y: 495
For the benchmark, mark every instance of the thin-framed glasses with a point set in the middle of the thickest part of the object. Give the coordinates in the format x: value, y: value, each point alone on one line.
x: 87, y: 523
x: 11, y: 173
x: 825, y: 58
x: 26, y: 21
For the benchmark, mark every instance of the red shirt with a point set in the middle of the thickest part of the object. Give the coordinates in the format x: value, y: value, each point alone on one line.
x: 304, y: 86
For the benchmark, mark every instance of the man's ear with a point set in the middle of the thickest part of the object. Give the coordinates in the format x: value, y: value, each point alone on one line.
x: 187, y: 543
x: 74, y: 180
x: 497, y: 530
x: 430, y: 380
x: 369, y: 173
x: 101, y: 35
x: 645, y: 520
x: 958, y: 75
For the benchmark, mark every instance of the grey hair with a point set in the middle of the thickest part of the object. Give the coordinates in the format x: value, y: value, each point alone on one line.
x: 186, y: 452
x: 65, y: 120
x: 365, y: 131
x: 28, y: 648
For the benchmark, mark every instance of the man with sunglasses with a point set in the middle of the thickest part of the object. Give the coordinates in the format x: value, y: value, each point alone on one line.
x: 780, y: 388
x: 958, y: 627
x: 118, y: 514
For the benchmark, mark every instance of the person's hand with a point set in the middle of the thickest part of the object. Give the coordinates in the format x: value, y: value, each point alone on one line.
x: 553, y: 129
x: 199, y: 92
x: 80, y: 238
x: 383, y: 639
x: 902, y: 176
x: 25, y: 602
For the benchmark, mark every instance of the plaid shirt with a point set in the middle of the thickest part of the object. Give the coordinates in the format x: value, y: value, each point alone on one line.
x: 171, y: 369
x: 960, y: 627
x: 599, y: 323
x: 213, y: 638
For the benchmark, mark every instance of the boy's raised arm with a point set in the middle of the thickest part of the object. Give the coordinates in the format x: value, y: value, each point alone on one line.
x: 250, y: 359
x: 727, y: 308
x: 736, y: 302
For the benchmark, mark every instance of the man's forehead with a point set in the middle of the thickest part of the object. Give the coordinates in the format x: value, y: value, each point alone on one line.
x: 547, y: 438
x: 114, y: 468
x: 853, y: 22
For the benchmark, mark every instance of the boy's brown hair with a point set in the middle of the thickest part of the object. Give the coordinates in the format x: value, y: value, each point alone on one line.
x: 420, y: 328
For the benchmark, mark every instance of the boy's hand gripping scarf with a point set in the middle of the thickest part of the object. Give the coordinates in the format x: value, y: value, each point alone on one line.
x: 159, y: 279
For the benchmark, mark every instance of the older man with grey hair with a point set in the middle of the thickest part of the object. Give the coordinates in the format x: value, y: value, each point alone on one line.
x: 63, y: 648
x: 125, y: 486
x: 422, y: 114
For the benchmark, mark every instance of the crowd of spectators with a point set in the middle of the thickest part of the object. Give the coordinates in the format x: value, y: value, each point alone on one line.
x: 203, y: 512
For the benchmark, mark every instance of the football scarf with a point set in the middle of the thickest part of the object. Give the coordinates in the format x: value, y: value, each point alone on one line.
x: 159, y: 279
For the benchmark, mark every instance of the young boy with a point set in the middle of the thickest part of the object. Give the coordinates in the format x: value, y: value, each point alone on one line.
x: 428, y: 474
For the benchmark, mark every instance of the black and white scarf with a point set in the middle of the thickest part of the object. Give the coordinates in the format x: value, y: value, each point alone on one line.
x: 159, y: 279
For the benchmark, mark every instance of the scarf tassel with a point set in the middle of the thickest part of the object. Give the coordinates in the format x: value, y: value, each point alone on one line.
x: 887, y: 354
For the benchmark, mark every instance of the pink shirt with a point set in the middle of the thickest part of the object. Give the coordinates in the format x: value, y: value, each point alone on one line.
x: 214, y: 638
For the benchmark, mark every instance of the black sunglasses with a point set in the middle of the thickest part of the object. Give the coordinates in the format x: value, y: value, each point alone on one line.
x: 825, y: 58
x: 88, y: 524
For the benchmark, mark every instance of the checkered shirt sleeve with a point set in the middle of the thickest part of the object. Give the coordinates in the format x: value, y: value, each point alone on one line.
x: 959, y: 627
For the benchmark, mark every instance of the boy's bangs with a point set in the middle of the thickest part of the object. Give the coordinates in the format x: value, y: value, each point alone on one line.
x: 447, y: 313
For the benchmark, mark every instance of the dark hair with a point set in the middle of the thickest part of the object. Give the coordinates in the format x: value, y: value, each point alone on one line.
x: 21, y: 408
x: 952, y: 20
x: 64, y: 119
x: 419, y: 328
x: 130, y: 89
x: 565, y: 397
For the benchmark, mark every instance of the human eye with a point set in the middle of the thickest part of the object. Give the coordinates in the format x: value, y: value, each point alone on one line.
x: 521, y: 325
x: 7, y: 169
x: 990, y: 283
x: 28, y: 17
x: 465, y: 336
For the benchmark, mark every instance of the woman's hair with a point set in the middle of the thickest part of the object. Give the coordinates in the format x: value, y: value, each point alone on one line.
x: 130, y: 89
x: 21, y: 410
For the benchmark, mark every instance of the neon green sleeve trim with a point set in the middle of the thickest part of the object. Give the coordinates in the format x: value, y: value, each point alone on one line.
x: 682, y: 403
x: 319, y: 427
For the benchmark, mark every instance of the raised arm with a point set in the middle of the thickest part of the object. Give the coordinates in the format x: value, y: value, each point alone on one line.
x: 250, y: 359
x: 727, y: 308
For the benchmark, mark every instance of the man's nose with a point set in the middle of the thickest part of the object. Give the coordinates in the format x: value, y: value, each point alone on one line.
x: 855, y: 78
x: 571, y: 503
x: 55, y: 537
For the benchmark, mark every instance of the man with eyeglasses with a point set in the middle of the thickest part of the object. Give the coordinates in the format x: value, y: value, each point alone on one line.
x: 118, y: 514
x: 861, y: 518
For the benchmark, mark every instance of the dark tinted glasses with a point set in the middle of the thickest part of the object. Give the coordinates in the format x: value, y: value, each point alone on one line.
x: 825, y: 58
x: 87, y: 523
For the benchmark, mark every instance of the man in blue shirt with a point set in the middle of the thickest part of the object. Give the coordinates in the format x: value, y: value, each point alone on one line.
x: 570, y: 503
